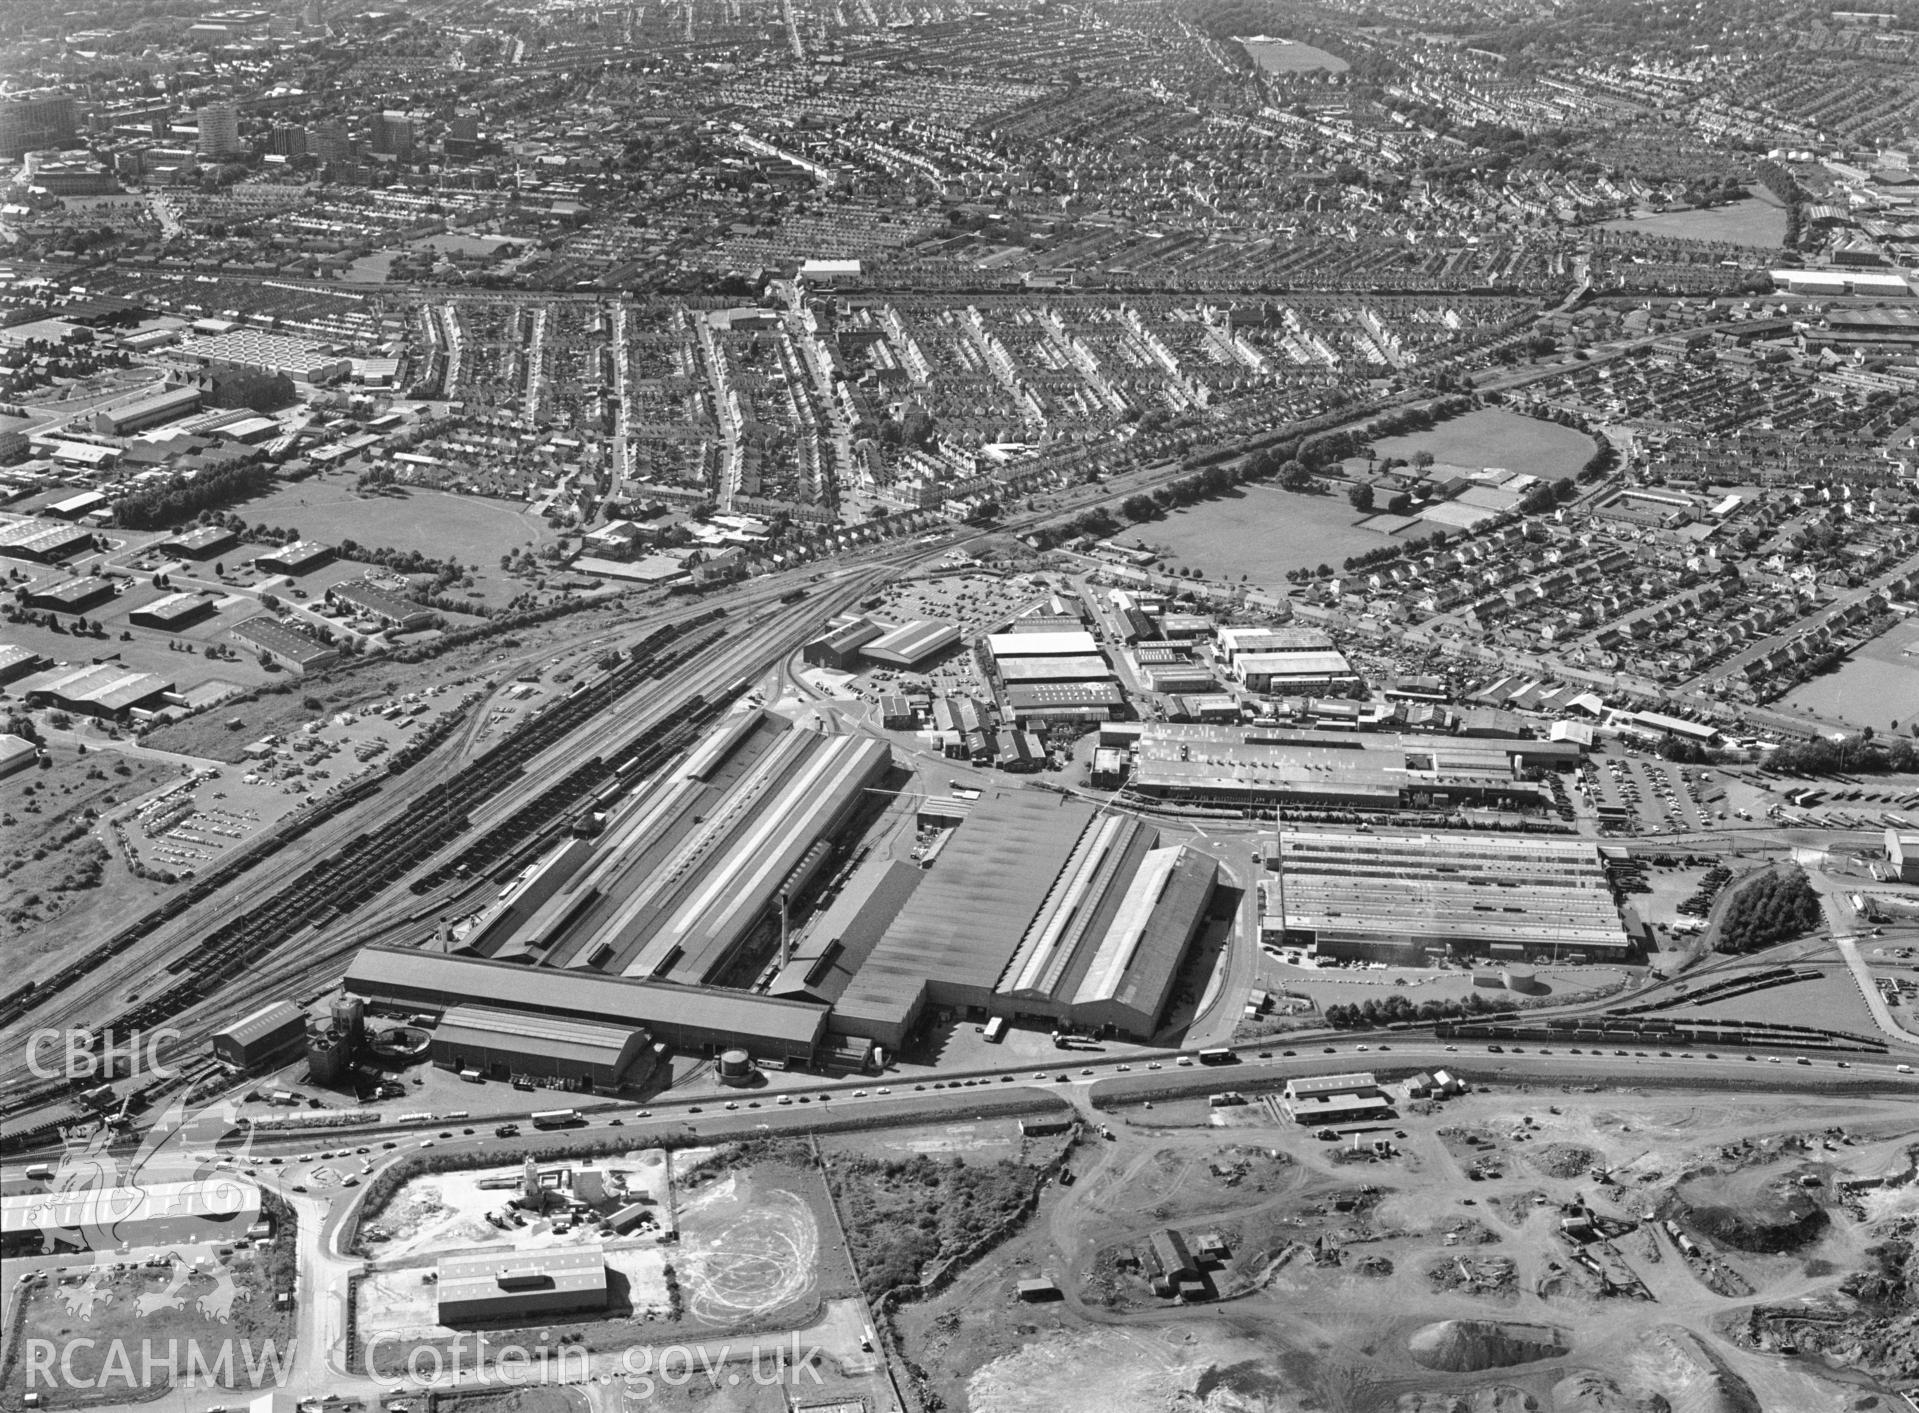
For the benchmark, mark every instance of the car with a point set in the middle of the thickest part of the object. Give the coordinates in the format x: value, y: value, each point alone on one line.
x: 1087, y: 1070
x: 389, y: 1145
x: 369, y: 1150
x: 1364, y: 1048
x: 1495, y: 1049
x: 1385, y: 1047
x: 1450, y: 1049
x: 610, y: 1123
x: 750, y: 1103
x: 1665, y: 1054
x: 299, y: 1187
x: 1288, y: 1053
x: 920, y: 1087
x: 1802, y: 1060
x: 1154, y: 1065
x: 426, y: 1143
x: 1006, y: 1079
x: 1263, y: 1054
x: 1185, y: 1060
x: 644, y: 1114
x: 825, y: 1097
x: 1619, y: 1054
x: 446, y: 1133
x: 1062, y: 1078
x: 1712, y: 1054
x: 882, y: 1091
x: 1772, y: 1059
x: 859, y: 1093
x: 785, y: 1099
x: 806, y: 1099
x: 730, y: 1104
x: 1845, y: 1064
x: 1125, y: 1069
x: 469, y: 1133
x: 1750, y: 1059
x: 1037, y: 1074
x: 1329, y: 1050
x: 692, y: 1108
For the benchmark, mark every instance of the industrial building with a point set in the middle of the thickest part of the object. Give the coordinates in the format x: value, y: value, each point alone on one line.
x: 1283, y: 673
x: 1038, y: 909
x: 391, y: 610
x: 43, y: 541
x: 16, y: 753
x: 510, y: 1287
x: 841, y: 936
x: 691, y: 1019
x: 17, y: 662
x: 689, y: 872
x: 167, y: 405
x: 1266, y: 766
x: 1408, y: 898
x: 171, y: 612
x: 106, y: 690
x: 1052, y: 669
x: 1334, y: 1099
x: 71, y: 595
x: 268, y: 1035
x: 296, y: 558
x: 912, y: 643
x: 504, y: 1044
x: 1036, y: 705
x: 839, y: 647
x: 288, y: 647
x: 1902, y: 852
x: 105, y: 1218
x: 1070, y: 643
x: 202, y: 543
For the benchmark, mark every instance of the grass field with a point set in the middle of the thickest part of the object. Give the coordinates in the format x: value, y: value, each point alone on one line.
x: 1874, y: 686
x: 1281, y: 58
x: 1753, y: 222
x: 1490, y: 437
x: 466, y: 528
x: 1259, y: 532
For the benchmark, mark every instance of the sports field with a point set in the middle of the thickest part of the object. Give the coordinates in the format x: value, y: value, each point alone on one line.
x: 1259, y: 532
x: 1278, y: 56
x: 442, y: 526
x: 1754, y: 222
x: 1490, y: 437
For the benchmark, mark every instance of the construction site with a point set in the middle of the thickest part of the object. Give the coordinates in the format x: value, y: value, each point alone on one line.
x: 1480, y: 1247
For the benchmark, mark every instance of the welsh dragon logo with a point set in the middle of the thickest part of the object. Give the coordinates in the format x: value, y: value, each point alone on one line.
x: 99, y: 1200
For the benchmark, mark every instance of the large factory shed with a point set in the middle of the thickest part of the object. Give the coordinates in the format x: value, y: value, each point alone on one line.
x: 688, y: 874
x: 691, y: 1019
x: 44, y: 541
x: 103, y: 689
x: 837, y: 942
x: 102, y: 1218
x: 505, y: 1044
x: 269, y: 1033
x: 1042, y: 910
x: 506, y: 1286
x: 912, y: 643
x: 1401, y: 897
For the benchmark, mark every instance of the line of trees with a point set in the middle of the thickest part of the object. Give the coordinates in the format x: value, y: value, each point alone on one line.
x: 1371, y: 1015
x: 158, y: 507
x: 1774, y: 907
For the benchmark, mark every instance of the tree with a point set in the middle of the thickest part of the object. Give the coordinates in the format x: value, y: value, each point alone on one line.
x: 1361, y: 496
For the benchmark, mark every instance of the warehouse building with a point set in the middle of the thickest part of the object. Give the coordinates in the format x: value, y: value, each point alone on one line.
x: 202, y: 543
x: 16, y: 753
x: 1039, y: 909
x: 1335, y: 1099
x: 43, y: 541
x: 1290, y: 673
x: 1410, y: 898
x: 103, y: 1219
x: 391, y: 610
x: 1069, y: 643
x: 1902, y: 852
x: 105, y: 690
x: 837, y: 942
x: 71, y: 595
x: 686, y: 879
x: 691, y: 1019
x: 520, y: 1286
x: 1037, y: 705
x: 839, y: 647
x: 912, y: 643
x: 503, y: 1045
x: 1052, y: 669
x: 1231, y: 644
x: 17, y: 662
x: 287, y: 647
x: 169, y: 405
x: 1269, y: 766
x: 172, y: 612
x: 270, y: 1034
x: 300, y: 557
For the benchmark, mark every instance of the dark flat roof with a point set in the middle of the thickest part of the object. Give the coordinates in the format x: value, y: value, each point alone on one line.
x: 381, y: 971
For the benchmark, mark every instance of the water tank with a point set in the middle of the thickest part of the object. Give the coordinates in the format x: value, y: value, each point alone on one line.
x: 1518, y: 978
x: 736, y: 1067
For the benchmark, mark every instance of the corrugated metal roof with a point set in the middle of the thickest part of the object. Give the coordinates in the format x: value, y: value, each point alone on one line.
x: 268, y: 1020
x: 402, y: 973
x: 966, y: 919
x: 589, y: 1042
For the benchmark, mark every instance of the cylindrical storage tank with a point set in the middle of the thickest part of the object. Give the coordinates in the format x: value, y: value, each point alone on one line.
x: 1517, y: 978
x: 736, y: 1067
x: 329, y: 1054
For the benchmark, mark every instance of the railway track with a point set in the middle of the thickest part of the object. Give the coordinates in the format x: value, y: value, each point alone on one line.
x: 688, y: 662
